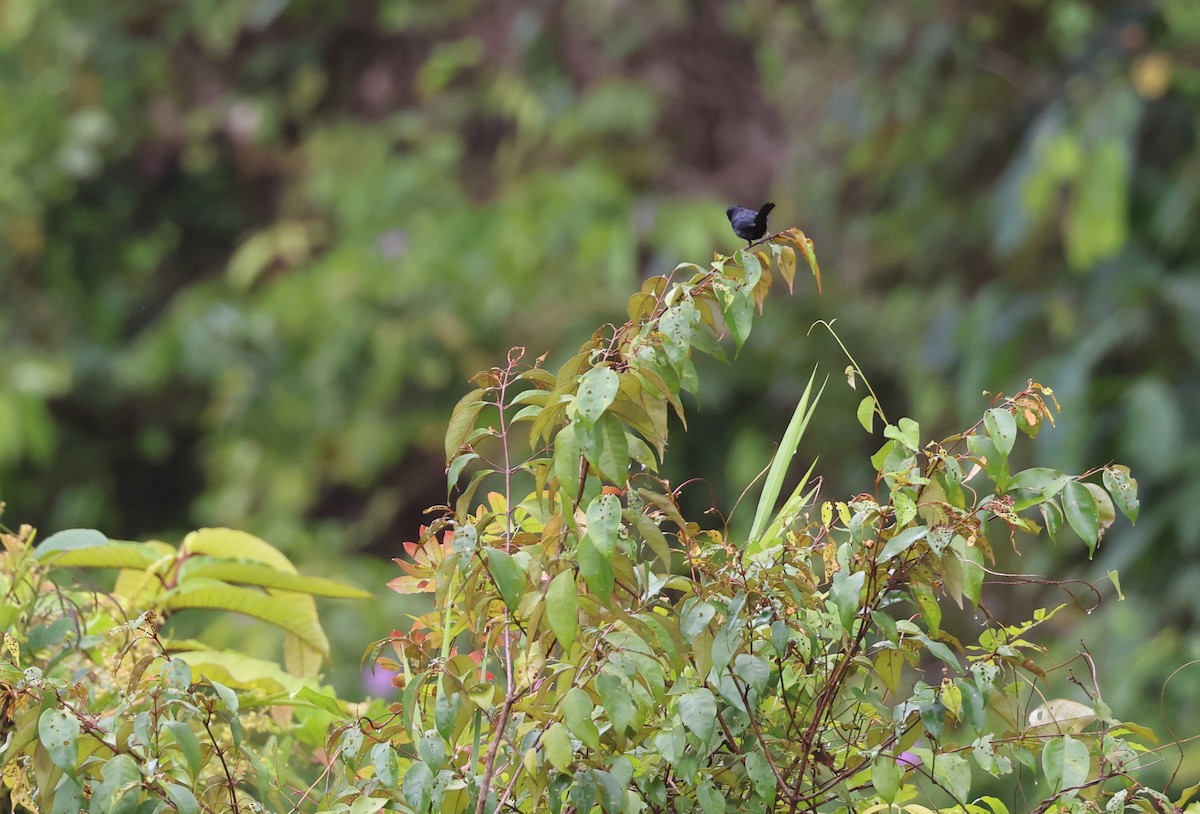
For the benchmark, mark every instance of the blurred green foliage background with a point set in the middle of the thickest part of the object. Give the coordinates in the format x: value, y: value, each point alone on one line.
x: 251, y: 250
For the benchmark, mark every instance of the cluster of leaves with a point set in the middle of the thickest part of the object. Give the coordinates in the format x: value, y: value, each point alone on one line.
x: 102, y: 712
x: 590, y: 646
x: 265, y: 332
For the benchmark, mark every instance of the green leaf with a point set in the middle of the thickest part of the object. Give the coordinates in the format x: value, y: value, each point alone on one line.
x: 604, y: 523
x: 121, y: 770
x: 1082, y: 513
x: 68, y: 797
x: 888, y: 665
x: 751, y: 265
x: 672, y: 745
x: 882, y: 454
x: 607, y: 448
x: 726, y: 642
x: 367, y: 805
x: 111, y: 554
x: 230, y: 544
x: 783, y: 456
x: 1065, y: 763
x: 754, y: 670
x: 902, y: 541
x: 456, y: 467
x: 611, y: 793
x: 557, y: 745
x: 711, y: 801
x: 931, y: 611
x: 906, y: 432
x: 939, y: 651
x: 972, y: 570
x: 188, y: 743
x: 228, y: 697
x: 58, y: 731
x: 562, y: 608
x: 243, y: 672
x: 597, y: 390
x: 866, y: 413
x: 462, y: 420
x: 577, y: 709
x: 567, y: 453
x: 264, y: 576
x: 185, y: 802
x: 596, y: 569
x: 1002, y: 428
x: 319, y: 700
x: 178, y: 674
x: 760, y: 774
x: 654, y: 537
x: 1105, y: 513
x: 1043, y: 483
x: 737, y: 306
x: 617, y: 697
x: 1116, y: 581
x: 698, y: 712
x: 350, y: 744
x: 432, y: 750
x: 696, y: 615
x: 954, y: 772
x: 1052, y: 517
x: 1124, y: 491
x: 583, y: 792
x: 69, y: 540
x: 509, y: 577
x: 1187, y: 794
x: 904, y: 508
x: 276, y: 610
x: 677, y: 335
x: 417, y: 787
x: 885, y: 776
x: 844, y: 591
x: 995, y: 462
x: 445, y: 711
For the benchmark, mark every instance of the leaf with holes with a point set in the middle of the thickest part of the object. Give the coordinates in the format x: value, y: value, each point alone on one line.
x: 1124, y: 491
x: 58, y: 731
x: 1001, y: 428
x: 597, y: 390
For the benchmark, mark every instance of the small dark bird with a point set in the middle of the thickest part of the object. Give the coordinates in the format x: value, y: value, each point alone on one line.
x: 748, y: 224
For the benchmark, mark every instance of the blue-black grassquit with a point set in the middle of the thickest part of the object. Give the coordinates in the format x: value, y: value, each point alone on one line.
x: 748, y: 224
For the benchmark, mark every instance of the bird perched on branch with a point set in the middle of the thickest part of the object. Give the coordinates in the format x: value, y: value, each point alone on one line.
x: 748, y: 224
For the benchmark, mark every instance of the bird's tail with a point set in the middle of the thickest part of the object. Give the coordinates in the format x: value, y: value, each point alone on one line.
x: 761, y: 220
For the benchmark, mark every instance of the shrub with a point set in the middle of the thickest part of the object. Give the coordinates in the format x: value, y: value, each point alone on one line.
x: 103, y: 712
x: 589, y: 646
x: 626, y: 656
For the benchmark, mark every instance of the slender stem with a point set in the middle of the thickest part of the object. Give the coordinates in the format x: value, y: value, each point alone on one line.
x: 829, y: 327
x: 489, y: 763
x: 230, y: 783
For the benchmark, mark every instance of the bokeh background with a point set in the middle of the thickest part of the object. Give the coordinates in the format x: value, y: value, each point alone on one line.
x: 251, y: 250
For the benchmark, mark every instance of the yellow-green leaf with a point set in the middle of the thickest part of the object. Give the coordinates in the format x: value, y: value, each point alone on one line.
x: 557, y: 743
x: 236, y: 545
x: 562, y: 608
x: 263, y: 576
x: 275, y: 610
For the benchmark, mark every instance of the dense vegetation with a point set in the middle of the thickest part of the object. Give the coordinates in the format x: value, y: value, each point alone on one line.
x: 591, y: 648
x: 250, y: 251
